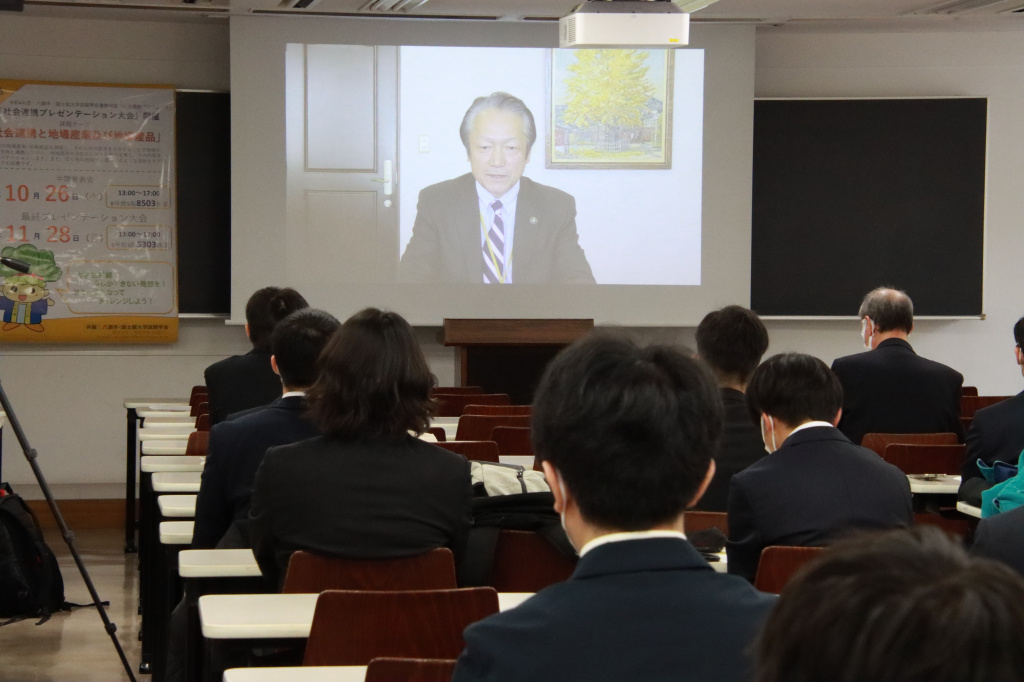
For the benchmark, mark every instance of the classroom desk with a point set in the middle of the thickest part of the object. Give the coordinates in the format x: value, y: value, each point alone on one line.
x: 284, y: 616
x: 177, y: 481
x: 164, y: 447
x: 3, y: 420
x: 165, y: 590
x: 309, y: 673
x: 132, y: 407
x: 166, y: 417
x: 177, y: 506
x: 968, y: 509
x: 944, y: 484
x: 165, y: 432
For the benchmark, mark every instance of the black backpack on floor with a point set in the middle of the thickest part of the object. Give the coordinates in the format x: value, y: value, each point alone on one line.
x: 31, y: 585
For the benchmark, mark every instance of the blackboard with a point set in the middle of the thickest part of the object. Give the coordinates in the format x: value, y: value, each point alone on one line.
x: 849, y: 195
x: 203, y: 149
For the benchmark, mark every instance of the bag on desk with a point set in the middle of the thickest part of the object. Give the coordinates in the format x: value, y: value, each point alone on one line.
x: 31, y: 585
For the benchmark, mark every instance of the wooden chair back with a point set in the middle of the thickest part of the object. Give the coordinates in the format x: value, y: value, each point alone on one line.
x: 969, y: 390
x: 702, y: 520
x: 199, y: 408
x: 453, y: 405
x: 480, y: 450
x: 455, y: 390
x: 203, y: 422
x: 308, y: 572
x: 479, y: 426
x: 879, y: 441
x: 925, y: 459
x: 474, y: 408
x: 525, y: 562
x: 969, y: 404
x: 199, y: 394
x: 198, y: 443
x: 410, y: 670
x: 513, y: 441
x: 778, y: 564
x: 353, y: 627
x: 439, y: 433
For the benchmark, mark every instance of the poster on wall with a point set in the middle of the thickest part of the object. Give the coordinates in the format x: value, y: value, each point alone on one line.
x: 87, y: 203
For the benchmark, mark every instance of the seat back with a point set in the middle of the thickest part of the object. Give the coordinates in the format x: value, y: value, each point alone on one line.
x: 702, y: 520
x: 480, y: 450
x: 474, y: 408
x: 525, y: 562
x: 203, y: 422
x: 925, y: 459
x: 198, y: 443
x: 453, y: 405
x: 410, y: 670
x: 455, y: 390
x: 479, y: 426
x: 969, y: 404
x: 200, y: 407
x: 199, y: 394
x: 879, y: 441
x: 439, y: 433
x: 779, y: 563
x: 354, y: 627
x: 969, y: 390
x: 308, y: 572
x: 513, y: 441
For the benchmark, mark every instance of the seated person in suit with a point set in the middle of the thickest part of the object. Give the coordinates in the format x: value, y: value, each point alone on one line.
x: 626, y: 435
x: 996, y: 434
x: 815, y: 485
x: 891, y: 389
x: 1001, y: 537
x: 492, y: 225
x: 366, y: 488
x: 237, y: 445
x: 245, y: 381
x: 731, y: 341
x: 901, y: 606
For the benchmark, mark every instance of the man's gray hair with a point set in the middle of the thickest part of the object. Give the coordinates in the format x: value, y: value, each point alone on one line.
x: 890, y: 309
x: 504, y: 102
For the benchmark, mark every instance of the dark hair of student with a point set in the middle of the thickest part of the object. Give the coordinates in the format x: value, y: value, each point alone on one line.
x: 890, y: 309
x: 373, y: 379
x: 900, y: 606
x: 1018, y: 332
x: 296, y: 344
x: 265, y: 309
x: 632, y: 430
x: 732, y: 340
x: 795, y: 388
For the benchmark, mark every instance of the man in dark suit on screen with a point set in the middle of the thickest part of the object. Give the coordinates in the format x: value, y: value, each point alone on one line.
x: 891, y: 389
x: 996, y: 434
x: 626, y: 436
x: 492, y: 225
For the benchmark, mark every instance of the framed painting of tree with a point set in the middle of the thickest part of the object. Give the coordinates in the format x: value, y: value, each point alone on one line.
x: 610, y: 108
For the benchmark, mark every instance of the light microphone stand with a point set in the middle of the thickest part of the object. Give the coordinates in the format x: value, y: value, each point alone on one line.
x: 69, y: 537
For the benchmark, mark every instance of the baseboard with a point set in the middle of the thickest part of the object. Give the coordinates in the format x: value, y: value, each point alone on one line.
x: 81, y: 514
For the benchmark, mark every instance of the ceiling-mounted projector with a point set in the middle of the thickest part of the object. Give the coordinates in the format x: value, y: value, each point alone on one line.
x: 620, y: 23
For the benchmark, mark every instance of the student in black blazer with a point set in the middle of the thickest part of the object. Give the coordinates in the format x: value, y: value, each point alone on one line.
x: 626, y: 436
x: 891, y: 389
x: 1001, y: 537
x: 731, y: 341
x: 815, y: 486
x: 996, y: 434
x: 367, y: 488
x: 242, y: 382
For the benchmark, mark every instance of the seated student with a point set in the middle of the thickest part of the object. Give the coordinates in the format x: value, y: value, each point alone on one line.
x: 237, y: 445
x: 245, y: 381
x: 732, y: 341
x: 366, y: 488
x: 903, y: 606
x: 626, y: 435
x: 1001, y: 537
x: 816, y: 485
x: 996, y: 434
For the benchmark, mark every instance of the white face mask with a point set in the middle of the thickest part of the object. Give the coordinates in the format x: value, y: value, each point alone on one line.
x: 764, y: 438
x: 866, y: 333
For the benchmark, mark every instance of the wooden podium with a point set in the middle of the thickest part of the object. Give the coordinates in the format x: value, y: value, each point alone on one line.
x: 509, y: 356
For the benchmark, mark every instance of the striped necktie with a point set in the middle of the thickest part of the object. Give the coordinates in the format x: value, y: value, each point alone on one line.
x: 494, y: 249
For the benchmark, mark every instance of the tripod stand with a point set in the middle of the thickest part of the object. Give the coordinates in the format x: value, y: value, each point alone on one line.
x: 69, y: 537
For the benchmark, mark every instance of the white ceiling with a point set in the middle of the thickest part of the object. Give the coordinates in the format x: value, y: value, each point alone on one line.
x: 768, y: 15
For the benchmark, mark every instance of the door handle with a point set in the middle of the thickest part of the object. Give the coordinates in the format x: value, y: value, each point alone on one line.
x: 388, y: 186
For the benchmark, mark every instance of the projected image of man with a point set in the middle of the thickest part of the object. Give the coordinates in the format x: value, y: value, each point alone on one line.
x: 492, y: 225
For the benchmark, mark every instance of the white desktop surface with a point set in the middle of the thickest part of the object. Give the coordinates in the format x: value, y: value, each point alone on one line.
x: 164, y: 447
x: 153, y: 463
x: 309, y: 673
x: 179, y: 431
x: 165, y: 404
x: 177, y: 481
x: 176, y: 532
x: 968, y: 509
x: 163, y: 417
x: 944, y: 484
x: 177, y: 506
x: 217, y: 563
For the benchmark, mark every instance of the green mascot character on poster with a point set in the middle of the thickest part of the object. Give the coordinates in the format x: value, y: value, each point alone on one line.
x: 25, y: 298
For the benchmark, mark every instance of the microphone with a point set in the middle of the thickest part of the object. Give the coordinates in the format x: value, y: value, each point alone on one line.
x: 15, y: 264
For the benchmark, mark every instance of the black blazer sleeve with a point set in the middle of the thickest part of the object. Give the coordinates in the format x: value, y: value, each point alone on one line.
x: 745, y: 543
x: 213, y: 506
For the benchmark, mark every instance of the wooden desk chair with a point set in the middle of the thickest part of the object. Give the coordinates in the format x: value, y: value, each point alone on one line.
x: 879, y: 441
x: 352, y: 627
x: 198, y: 443
x: 196, y: 392
x: 969, y: 404
x: 702, y: 520
x: 453, y: 405
x: 199, y: 408
x: 479, y: 426
x: 480, y: 450
x: 778, y: 564
x: 455, y: 390
x: 925, y: 459
x: 525, y: 562
x: 474, y: 408
x: 410, y: 670
x: 439, y: 433
x: 308, y: 572
x: 969, y: 390
x: 203, y: 422
x: 513, y: 441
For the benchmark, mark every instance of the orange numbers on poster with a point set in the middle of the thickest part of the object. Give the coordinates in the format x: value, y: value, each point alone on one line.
x: 55, y: 193
x: 17, y: 233
x: 59, y: 234
x: 17, y: 192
